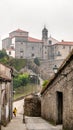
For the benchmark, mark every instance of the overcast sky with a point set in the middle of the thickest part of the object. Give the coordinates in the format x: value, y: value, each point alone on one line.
x: 32, y: 15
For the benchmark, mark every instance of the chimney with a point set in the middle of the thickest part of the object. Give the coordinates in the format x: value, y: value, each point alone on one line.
x: 62, y: 40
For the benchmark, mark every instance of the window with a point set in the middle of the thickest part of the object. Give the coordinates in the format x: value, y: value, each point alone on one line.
x: 9, y: 52
x: 32, y: 55
x: 21, y: 57
x: 21, y: 49
x: 21, y: 53
x: 50, y: 42
x: 69, y: 48
x: 59, y: 54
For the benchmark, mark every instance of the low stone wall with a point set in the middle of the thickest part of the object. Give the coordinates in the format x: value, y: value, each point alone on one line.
x: 32, y: 106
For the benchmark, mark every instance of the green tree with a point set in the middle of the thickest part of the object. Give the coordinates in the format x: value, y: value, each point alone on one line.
x: 20, y: 80
x: 17, y: 63
x: 24, y: 78
x: 4, y: 57
x: 3, y: 54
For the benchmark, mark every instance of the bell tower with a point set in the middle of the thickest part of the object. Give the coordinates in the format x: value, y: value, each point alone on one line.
x: 44, y: 34
x: 45, y: 43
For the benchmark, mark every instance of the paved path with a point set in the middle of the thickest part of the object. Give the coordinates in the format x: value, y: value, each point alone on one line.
x: 31, y: 123
x: 19, y: 105
x: 15, y: 124
x: 37, y: 123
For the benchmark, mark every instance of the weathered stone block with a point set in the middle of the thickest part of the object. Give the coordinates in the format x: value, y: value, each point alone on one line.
x: 32, y: 106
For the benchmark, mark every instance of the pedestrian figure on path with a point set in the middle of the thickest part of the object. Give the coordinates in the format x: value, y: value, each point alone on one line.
x: 15, y: 111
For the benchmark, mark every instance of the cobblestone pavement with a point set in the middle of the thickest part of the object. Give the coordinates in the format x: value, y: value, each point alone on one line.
x: 37, y: 123
x: 15, y: 124
x: 31, y: 123
x: 19, y: 105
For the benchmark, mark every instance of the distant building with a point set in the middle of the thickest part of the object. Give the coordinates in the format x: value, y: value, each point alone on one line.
x: 51, y: 51
x: 54, y: 49
x: 20, y: 45
x: 54, y: 53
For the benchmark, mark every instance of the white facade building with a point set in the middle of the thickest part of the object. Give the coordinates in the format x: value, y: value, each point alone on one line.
x: 20, y: 45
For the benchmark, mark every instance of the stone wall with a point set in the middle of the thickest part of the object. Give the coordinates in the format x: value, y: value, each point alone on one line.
x: 46, y: 67
x: 6, y: 43
x: 49, y: 103
x: 32, y: 106
x: 59, y: 51
x: 28, y: 49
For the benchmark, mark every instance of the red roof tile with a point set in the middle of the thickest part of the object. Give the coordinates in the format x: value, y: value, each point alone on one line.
x: 19, y: 30
x: 30, y: 39
x: 10, y: 49
x: 65, y: 43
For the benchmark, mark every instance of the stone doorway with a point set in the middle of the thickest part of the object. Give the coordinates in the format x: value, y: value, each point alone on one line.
x: 60, y: 107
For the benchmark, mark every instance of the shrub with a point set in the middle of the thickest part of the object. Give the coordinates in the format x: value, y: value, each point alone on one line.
x: 45, y: 83
x: 21, y: 80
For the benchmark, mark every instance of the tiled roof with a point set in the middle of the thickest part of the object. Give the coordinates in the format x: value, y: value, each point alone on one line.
x: 65, y: 43
x: 30, y: 39
x: 10, y: 49
x: 19, y: 30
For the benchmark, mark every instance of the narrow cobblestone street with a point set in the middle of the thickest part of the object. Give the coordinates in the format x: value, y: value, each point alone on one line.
x: 31, y: 123
x: 15, y: 124
x: 37, y: 123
